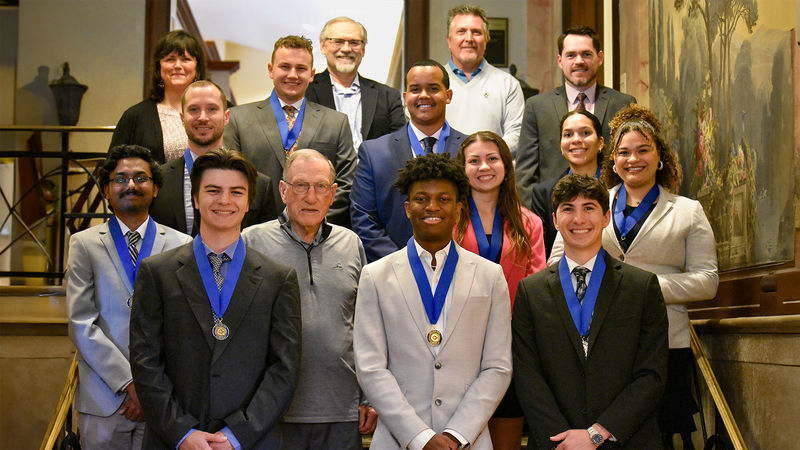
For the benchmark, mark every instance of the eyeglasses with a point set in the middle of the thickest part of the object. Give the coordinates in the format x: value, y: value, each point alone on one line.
x: 302, y: 187
x: 338, y: 43
x: 124, y: 179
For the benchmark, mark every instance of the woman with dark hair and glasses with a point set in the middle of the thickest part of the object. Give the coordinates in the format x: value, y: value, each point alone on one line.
x: 155, y: 123
x: 496, y: 226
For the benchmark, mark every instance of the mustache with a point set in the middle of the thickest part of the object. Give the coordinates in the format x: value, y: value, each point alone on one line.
x: 131, y: 192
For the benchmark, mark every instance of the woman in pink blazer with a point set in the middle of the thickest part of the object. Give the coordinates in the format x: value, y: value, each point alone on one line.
x: 496, y: 226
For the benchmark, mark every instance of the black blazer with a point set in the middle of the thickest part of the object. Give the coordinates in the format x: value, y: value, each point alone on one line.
x: 185, y: 378
x: 381, y: 107
x: 167, y: 208
x: 140, y: 125
x: 542, y: 206
x: 619, y: 384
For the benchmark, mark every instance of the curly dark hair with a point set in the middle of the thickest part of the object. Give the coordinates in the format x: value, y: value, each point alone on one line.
x: 127, y: 151
x: 436, y: 166
x: 641, y: 120
x: 175, y: 41
x: 574, y: 185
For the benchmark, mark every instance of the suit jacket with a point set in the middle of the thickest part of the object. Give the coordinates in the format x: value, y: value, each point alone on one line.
x: 542, y: 206
x: 253, y: 130
x: 381, y: 107
x: 167, y: 208
x: 619, y: 384
x: 412, y: 388
x: 539, y: 154
x: 378, y: 215
x: 140, y: 125
x: 97, y: 293
x: 513, y: 269
x: 186, y: 379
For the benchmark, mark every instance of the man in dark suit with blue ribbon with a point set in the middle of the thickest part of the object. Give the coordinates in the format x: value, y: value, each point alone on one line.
x: 215, y: 327
x: 589, y: 336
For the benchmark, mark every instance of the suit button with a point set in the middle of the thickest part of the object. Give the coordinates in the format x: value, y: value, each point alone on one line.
x: 622, y: 257
x: 438, y: 365
x: 437, y: 402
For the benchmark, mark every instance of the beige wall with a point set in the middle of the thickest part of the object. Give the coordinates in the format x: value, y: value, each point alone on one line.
x: 251, y: 82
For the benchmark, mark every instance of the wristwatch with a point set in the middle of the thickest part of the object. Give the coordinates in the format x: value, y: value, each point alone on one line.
x: 597, y: 438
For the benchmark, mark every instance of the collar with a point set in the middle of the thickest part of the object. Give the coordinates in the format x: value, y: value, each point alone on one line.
x: 354, y: 88
x: 427, y: 257
x: 420, y: 135
x: 589, y: 264
x: 193, y: 154
x: 296, y: 104
x: 322, y: 233
x: 142, y: 228
x: 572, y: 93
x: 460, y: 73
x: 228, y: 251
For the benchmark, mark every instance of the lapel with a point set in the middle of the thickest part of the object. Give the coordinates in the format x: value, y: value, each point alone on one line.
x: 269, y: 127
x: 108, y: 243
x: 601, y: 103
x: 243, y: 296
x: 408, y: 285
x: 666, y: 201
x: 606, y: 296
x: 312, y: 119
x: 402, y: 149
x: 560, y: 102
x: 557, y: 296
x: 324, y: 89
x: 610, y: 242
x: 194, y: 292
x: 452, y: 144
x: 173, y: 189
x: 462, y: 284
x: 369, y: 100
x: 159, y: 240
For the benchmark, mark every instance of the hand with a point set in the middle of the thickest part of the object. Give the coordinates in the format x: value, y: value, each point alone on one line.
x: 200, y: 440
x: 131, y: 408
x: 441, y: 442
x: 367, y: 419
x: 574, y: 440
x: 225, y: 445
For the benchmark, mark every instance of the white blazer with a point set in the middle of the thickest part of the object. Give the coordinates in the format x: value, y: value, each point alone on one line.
x: 410, y: 387
x: 677, y: 244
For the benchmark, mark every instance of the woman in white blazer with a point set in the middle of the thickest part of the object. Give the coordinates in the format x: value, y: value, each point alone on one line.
x: 664, y: 233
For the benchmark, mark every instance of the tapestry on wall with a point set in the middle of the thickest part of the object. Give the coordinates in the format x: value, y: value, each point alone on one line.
x: 721, y: 82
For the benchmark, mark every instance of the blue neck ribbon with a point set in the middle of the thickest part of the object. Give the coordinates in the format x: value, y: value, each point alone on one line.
x: 122, y: 246
x: 187, y: 159
x: 484, y: 248
x: 582, y: 312
x: 416, y: 146
x: 433, y: 302
x: 596, y: 172
x: 288, y: 137
x: 625, y: 224
x: 219, y: 298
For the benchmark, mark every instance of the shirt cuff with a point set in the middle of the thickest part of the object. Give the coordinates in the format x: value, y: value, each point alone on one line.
x: 458, y: 436
x: 422, y: 438
x: 184, y: 437
x: 231, y: 438
x: 124, y: 388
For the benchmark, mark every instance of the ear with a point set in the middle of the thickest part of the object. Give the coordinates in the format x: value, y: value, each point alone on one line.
x: 408, y: 209
x: 606, y: 218
x: 282, y: 187
x: 228, y: 117
x: 155, y: 190
x: 555, y: 222
x: 449, y: 93
x: 600, y: 57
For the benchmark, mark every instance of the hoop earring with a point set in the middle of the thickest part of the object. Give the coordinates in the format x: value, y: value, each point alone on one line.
x: 614, y: 168
x: 660, y: 165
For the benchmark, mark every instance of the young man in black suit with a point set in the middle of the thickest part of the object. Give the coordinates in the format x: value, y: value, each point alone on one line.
x: 589, y: 336
x: 215, y: 326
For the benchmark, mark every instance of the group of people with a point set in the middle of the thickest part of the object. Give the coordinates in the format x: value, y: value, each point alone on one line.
x: 262, y: 285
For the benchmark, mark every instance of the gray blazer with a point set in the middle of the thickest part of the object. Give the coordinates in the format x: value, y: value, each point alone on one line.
x: 412, y: 388
x: 97, y: 294
x: 539, y: 154
x: 677, y: 244
x: 254, y: 131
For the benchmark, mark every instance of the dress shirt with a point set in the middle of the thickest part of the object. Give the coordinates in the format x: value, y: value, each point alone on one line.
x: 589, y: 265
x: 460, y: 73
x: 348, y: 101
x: 572, y: 97
x: 223, y: 269
x: 420, y: 136
x: 141, y: 230
x: 296, y: 105
x: 188, y: 206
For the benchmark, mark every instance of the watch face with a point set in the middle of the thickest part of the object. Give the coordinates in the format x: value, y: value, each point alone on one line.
x: 597, y: 439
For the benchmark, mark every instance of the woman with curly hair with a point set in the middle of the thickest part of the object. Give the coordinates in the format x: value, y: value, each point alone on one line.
x: 155, y: 123
x: 496, y: 226
x: 664, y: 233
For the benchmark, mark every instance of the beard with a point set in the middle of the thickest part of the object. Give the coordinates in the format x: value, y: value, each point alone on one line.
x: 207, y: 141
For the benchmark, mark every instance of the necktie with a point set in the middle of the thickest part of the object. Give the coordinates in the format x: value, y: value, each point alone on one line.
x: 216, y: 266
x: 580, y: 277
x: 581, y: 98
x: 428, y: 144
x: 290, y: 115
x: 133, y: 238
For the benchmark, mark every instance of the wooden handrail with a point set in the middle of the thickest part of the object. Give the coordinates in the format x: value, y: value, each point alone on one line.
x: 716, y: 392
x: 63, y: 407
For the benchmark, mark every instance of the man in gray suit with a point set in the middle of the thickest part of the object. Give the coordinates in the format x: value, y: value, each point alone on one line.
x: 268, y: 130
x: 432, y: 339
x: 539, y: 153
x: 101, y: 269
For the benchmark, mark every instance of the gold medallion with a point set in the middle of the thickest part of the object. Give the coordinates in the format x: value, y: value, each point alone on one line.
x: 220, y: 331
x: 128, y: 302
x: 434, y: 337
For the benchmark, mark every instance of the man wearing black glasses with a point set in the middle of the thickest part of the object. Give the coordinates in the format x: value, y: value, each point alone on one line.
x: 101, y: 269
x: 372, y: 108
x: 326, y: 411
